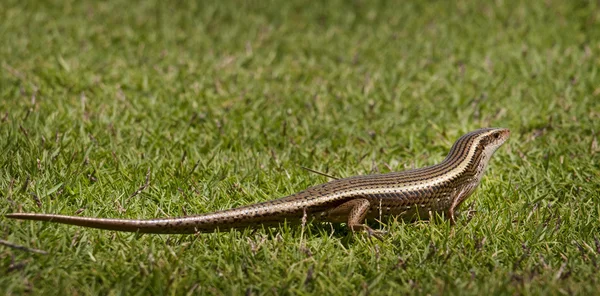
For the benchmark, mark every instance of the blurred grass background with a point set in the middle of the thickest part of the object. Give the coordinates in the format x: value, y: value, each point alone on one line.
x: 220, y: 104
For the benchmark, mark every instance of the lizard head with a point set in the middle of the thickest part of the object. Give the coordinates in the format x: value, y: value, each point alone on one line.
x: 493, y: 138
x: 487, y: 141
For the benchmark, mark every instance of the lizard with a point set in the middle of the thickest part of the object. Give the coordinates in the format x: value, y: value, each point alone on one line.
x: 411, y: 194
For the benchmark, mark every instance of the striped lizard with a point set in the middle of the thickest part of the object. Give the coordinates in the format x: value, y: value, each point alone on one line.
x: 410, y: 194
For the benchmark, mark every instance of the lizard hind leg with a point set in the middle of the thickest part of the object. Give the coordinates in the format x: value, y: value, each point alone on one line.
x: 355, y: 210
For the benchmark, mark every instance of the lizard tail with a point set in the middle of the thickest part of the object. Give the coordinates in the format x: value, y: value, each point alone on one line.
x: 182, y: 225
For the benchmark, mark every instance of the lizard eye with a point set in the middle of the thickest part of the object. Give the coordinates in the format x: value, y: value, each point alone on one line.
x: 496, y: 135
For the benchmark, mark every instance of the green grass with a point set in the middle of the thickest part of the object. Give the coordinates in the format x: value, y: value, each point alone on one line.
x: 224, y: 103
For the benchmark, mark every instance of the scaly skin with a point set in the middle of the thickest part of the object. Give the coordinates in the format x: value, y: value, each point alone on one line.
x: 412, y: 194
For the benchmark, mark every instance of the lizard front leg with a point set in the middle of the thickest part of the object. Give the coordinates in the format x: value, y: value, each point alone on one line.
x: 464, y: 192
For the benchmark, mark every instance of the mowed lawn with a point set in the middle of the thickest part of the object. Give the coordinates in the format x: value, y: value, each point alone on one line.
x: 144, y: 109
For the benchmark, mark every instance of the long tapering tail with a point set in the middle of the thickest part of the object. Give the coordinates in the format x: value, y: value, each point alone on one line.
x: 142, y: 226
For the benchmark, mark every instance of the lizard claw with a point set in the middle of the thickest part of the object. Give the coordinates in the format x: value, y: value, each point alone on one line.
x: 378, y: 234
